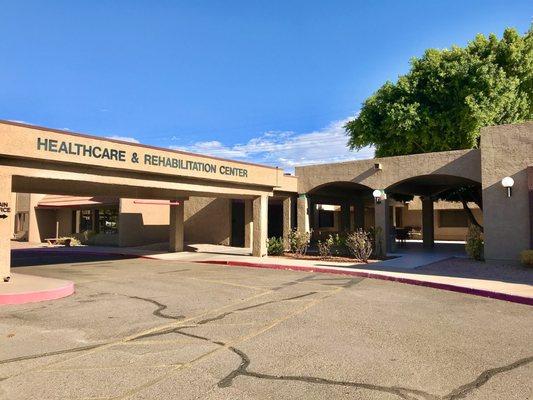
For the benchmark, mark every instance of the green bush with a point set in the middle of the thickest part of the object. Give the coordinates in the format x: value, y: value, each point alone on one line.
x: 275, y: 246
x: 474, y: 243
x: 526, y: 257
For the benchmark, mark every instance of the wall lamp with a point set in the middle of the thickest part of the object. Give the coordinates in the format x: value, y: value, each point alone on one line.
x: 379, y: 195
x: 508, y: 183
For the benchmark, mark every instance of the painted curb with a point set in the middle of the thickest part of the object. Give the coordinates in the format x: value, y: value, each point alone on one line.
x: 435, y: 285
x: 32, y: 297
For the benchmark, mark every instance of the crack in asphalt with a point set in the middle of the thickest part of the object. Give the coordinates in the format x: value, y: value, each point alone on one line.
x: 51, y: 353
x: 402, y: 392
x: 225, y: 314
x: 462, y: 391
x: 160, y: 308
x: 170, y: 272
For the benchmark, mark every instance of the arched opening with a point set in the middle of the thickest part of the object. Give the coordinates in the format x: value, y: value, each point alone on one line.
x: 341, y: 206
x: 434, y: 211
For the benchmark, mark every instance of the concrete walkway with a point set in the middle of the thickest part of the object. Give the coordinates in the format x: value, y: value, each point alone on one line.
x: 402, y: 269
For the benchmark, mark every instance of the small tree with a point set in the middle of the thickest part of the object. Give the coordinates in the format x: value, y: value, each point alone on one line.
x: 360, y: 244
x: 474, y: 243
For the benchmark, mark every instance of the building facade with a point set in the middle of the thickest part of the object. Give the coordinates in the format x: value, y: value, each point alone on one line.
x: 55, y: 183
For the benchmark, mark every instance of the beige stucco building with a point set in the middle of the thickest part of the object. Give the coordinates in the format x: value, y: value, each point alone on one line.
x: 55, y: 183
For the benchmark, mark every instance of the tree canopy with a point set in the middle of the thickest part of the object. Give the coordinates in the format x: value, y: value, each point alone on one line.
x: 448, y: 96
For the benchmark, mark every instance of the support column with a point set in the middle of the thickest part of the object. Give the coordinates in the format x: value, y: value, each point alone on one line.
x: 345, y: 217
x: 382, y: 222
x: 248, y: 223
x: 287, y: 218
x: 360, y: 214
x: 428, y: 235
x: 7, y: 210
x: 303, y: 212
x: 260, y: 226
x: 176, y: 227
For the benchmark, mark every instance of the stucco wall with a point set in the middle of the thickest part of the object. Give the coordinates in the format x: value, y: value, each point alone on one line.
x: 208, y: 220
x: 507, y: 150
x: 141, y: 224
x: 459, y: 163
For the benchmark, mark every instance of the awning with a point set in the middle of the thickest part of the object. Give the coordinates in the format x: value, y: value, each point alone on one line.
x: 50, y: 201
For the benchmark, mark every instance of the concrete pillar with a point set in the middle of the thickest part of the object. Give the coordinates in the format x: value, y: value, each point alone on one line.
x: 314, y: 215
x: 176, y: 227
x: 287, y: 218
x: 382, y: 222
x: 359, y: 214
x: 345, y: 216
x: 7, y: 210
x: 428, y: 235
x: 303, y: 216
x: 248, y: 223
x: 260, y: 226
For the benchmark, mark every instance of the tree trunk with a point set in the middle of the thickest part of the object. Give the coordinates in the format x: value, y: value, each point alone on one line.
x: 470, y: 215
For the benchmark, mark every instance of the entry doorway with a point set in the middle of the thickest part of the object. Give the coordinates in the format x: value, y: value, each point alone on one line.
x: 237, y: 223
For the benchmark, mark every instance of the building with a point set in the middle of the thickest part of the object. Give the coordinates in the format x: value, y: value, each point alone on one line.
x: 55, y: 183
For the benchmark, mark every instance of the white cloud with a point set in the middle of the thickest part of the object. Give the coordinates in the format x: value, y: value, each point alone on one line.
x: 287, y: 149
x: 123, y: 138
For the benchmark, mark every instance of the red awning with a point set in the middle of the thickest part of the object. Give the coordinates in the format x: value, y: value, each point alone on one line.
x: 50, y: 201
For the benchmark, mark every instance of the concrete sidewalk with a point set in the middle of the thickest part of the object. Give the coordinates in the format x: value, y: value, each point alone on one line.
x: 512, y: 291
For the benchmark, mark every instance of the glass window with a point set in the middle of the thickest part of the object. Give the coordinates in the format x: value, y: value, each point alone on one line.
x: 108, y: 220
x: 86, y: 220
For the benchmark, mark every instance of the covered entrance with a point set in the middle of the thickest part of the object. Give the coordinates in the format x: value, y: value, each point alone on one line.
x: 41, y: 160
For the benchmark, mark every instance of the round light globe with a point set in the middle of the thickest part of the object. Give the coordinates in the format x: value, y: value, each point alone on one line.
x: 377, y: 194
x: 507, y: 182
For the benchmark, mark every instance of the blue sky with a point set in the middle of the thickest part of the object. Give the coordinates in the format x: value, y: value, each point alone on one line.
x: 265, y: 81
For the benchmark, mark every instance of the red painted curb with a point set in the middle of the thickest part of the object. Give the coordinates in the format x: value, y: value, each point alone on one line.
x: 32, y: 297
x: 435, y: 285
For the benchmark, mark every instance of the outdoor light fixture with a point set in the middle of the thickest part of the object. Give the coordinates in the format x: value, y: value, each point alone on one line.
x: 508, y: 183
x: 378, y: 195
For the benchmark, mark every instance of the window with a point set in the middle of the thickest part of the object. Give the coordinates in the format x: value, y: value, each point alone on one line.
x: 326, y: 219
x: 107, y: 221
x: 453, y: 219
x: 86, y: 220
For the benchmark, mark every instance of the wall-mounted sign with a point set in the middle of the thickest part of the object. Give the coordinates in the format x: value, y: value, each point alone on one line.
x: 109, y: 153
x: 4, y: 209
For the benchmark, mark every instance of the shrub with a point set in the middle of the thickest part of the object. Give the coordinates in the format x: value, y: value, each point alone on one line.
x: 324, y: 246
x: 275, y: 246
x: 299, y: 241
x: 526, y: 257
x: 68, y: 241
x: 360, y: 244
x: 338, y: 244
x: 376, y: 237
x: 474, y: 243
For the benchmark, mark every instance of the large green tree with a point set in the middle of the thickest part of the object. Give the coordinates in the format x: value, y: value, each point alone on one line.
x: 446, y: 98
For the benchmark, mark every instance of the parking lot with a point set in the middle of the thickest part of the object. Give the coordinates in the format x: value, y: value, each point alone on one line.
x: 152, y: 329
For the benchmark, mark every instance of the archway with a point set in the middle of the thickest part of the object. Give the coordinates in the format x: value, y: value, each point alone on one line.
x: 339, y: 206
x: 434, y: 208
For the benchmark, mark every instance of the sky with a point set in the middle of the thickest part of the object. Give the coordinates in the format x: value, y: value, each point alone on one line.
x: 264, y: 81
